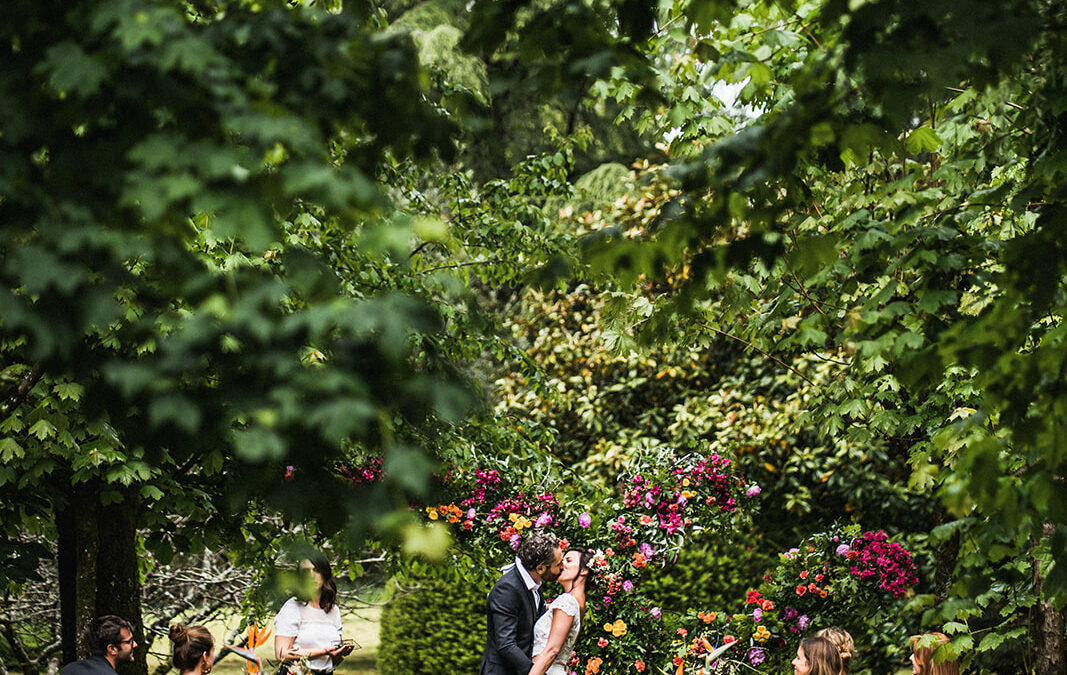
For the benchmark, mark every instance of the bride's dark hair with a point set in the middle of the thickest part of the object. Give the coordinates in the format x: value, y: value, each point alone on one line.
x: 591, y: 579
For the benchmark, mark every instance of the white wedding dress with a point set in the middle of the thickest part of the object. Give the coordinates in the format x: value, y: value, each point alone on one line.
x: 564, y: 603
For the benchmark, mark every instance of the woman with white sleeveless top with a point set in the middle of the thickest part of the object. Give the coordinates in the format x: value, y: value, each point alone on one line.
x: 557, y: 629
x: 310, y: 627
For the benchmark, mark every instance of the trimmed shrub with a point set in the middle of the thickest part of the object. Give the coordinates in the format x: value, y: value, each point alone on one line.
x: 437, y: 624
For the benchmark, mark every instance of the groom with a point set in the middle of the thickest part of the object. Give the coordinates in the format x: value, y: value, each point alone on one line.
x: 515, y: 603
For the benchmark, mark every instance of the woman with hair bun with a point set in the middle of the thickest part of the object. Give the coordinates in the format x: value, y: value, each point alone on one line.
x: 307, y: 628
x: 194, y: 649
x: 844, y: 643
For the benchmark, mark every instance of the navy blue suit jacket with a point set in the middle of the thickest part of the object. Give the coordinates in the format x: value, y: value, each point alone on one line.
x: 94, y: 665
x: 510, y: 614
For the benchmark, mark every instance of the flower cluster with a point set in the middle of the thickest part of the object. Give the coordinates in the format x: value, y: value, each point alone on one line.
x: 824, y: 581
x: 875, y: 557
x: 369, y: 472
x: 667, y: 503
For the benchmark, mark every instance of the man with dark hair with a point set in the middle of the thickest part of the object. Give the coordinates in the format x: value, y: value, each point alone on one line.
x: 515, y: 603
x: 110, y: 641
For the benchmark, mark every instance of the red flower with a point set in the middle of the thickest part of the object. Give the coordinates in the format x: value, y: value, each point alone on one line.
x: 804, y: 574
x: 639, y: 665
x: 801, y: 590
x: 683, y: 632
x: 726, y: 639
x: 602, y: 642
x: 819, y: 578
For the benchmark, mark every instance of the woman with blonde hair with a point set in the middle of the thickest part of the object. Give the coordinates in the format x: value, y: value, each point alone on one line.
x: 194, y: 649
x: 844, y: 643
x: 922, y: 658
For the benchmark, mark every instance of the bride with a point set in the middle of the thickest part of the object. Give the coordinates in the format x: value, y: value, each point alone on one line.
x: 557, y: 629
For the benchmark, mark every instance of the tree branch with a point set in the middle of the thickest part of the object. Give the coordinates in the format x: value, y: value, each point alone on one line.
x: 752, y: 346
x: 24, y: 387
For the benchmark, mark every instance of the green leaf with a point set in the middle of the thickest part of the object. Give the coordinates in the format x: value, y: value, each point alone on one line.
x: 10, y: 450
x: 43, y: 429
x: 72, y: 71
x: 923, y: 139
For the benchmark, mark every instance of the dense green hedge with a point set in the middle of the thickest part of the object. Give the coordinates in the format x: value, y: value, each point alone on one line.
x: 436, y: 624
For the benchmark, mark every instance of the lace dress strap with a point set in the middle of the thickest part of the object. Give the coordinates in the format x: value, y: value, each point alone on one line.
x: 567, y: 603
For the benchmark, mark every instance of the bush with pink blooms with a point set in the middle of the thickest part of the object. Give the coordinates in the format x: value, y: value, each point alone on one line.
x: 832, y: 578
x: 638, y: 529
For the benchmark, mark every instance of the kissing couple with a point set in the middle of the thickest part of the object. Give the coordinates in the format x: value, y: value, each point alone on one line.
x: 524, y: 636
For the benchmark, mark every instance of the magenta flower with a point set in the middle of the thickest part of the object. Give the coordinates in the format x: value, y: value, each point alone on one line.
x: 627, y: 585
x: 585, y: 520
x: 514, y: 542
x: 757, y: 614
x: 803, y: 621
x: 655, y: 612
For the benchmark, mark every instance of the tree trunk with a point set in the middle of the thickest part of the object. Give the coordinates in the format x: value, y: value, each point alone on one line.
x: 98, y: 567
x: 118, y: 585
x: 76, y: 522
x: 1048, y: 627
x: 945, y: 555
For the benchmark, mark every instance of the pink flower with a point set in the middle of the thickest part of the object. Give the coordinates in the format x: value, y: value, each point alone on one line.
x: 585, y: 520
x: 627, y: 585
x: 655, y: 612
x: 841, y: 550
x: 753, y: 491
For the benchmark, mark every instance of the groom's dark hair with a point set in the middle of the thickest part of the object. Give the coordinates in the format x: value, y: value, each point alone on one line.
x: 538, y: 549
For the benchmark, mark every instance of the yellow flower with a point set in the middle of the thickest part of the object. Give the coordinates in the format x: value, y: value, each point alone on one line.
x: 607, y: 627
x: 688, y: 494
x: 513, y: 517
x: 685, y: 482
x: 619, y: 629
x: 432, y: 512
x: 761, y: 634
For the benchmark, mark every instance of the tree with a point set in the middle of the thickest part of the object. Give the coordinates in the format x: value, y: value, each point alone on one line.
x: 891, y: 206
x: 155, y: 364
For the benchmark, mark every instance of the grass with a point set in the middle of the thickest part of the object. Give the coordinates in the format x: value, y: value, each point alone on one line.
x: 360, y: 626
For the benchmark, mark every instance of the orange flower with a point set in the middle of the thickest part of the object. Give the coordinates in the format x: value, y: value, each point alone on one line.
x: 639, y: 561
x: 593, y: 665
x: 823, y: 593
x: 639, y: 665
